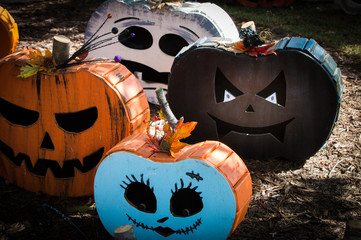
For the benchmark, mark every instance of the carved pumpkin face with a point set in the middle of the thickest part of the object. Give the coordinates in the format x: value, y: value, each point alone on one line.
x: 159, y: 35
x: 282, y: 105
x: 55, y: 128
x: 205, y: 188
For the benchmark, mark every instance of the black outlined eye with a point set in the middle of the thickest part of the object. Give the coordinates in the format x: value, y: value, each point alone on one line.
x: 140, y: 195
x: 17, y: 115
x: 276, y: 91
x: 77, y: 122
x: 224, y: 89
x: 185, y: 201
x: 171, y: 44
x: 142, y: 38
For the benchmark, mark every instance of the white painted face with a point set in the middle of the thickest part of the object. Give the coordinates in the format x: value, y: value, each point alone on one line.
x: 159, y: 35
x: 188, y: 199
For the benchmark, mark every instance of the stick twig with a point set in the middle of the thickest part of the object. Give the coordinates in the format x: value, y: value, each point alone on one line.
x: 173, y: 121
x: 338, y: 162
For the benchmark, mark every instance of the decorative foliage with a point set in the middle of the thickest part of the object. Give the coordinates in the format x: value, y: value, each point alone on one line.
x: 250, y: 42
x: 254, y: 51
x: 162, y: 4
x: 164, y: 138
x: 38, y: 63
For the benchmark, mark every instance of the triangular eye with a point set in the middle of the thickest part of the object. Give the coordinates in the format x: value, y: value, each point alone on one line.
x: 224, y: 89
x: 228, y: 96
x: 272, y: 98
x: 275, y: 92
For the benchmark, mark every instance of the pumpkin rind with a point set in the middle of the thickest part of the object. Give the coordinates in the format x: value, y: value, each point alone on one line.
x: 8, y: 32
x: 212, y: 153
x: 29, y: 159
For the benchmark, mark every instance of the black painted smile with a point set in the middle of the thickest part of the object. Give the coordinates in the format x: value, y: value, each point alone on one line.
x: 148, y: 73
x: 42, y: 165
x: 276, y: 130
x: 166, y: 231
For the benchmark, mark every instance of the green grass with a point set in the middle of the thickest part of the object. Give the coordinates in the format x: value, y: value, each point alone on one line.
x: 323, y: 21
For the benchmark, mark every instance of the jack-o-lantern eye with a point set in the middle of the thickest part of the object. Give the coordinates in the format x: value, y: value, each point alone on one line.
x: 225, y: 91
x: 276, y: 91
x: 185, y: 201
x: 171, y: 44
x: 16, y: 114
x: 77, y: 122
x: 142, y: 38
x: 140, y: 195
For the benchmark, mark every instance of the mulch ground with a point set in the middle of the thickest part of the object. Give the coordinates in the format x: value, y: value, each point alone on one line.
x: 312, y: 200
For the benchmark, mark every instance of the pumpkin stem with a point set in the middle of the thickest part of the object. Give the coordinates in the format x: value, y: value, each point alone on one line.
x: 173, y: 121
x: 61, y: 49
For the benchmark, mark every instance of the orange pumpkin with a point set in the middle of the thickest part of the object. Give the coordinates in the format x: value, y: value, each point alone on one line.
x: 9, y: 35
x: 55, y: 127
x: 205, y: 189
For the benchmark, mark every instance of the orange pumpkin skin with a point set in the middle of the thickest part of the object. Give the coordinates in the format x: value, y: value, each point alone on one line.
x: 107, y: 91
x: 214, y: 153
x: 9, y: 35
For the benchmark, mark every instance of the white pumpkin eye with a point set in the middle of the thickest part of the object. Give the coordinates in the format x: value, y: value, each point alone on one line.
x: 272, y: 98
x: 228, y: 96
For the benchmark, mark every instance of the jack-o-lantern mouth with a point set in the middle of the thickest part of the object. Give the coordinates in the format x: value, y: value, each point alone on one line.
x: 166, y: 231
x: 276, y: 130
x: 148, y: 73
x: 42, y: 165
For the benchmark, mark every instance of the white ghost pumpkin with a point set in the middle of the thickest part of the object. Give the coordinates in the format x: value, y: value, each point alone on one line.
x: 159, y: 35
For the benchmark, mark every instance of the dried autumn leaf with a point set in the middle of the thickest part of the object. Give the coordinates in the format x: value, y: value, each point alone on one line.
x: 182, y: 130
x: 36, y: 57
x: 28, y: 70
x: 176, y: 147
x: 166, y: 128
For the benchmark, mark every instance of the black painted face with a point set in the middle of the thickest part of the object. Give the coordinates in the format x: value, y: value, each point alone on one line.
x: 261, y: 107
x: 70, y: 123
x: 185, y: 202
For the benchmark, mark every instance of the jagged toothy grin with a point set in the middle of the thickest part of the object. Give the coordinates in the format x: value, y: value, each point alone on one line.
x: 276, y: 130
x: 148, y: 73
x: 42, y: 165
x: 166, y: 231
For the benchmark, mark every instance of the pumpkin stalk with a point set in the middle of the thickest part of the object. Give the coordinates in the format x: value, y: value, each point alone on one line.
x: 61, y: 49
x: 168, y: 114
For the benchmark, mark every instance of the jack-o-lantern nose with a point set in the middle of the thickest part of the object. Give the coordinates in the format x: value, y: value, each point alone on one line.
x: 162, y: 220
x: 250, y: 109
x: 47, y: 143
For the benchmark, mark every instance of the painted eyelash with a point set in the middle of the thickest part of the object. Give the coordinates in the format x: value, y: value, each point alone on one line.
x: 134, y: 180
x: 182, y: 187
